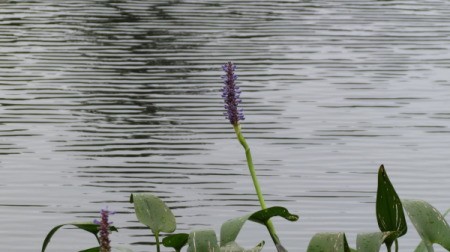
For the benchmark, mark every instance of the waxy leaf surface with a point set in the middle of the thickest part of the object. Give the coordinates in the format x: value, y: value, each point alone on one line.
x: 371, y: 242
x: 329, y: 242
x: 389, y: 209
x: 176, y: 241
x: 153, y: 212
x: 231, y: 228
x: 429, y: 223
x: 203, y: 241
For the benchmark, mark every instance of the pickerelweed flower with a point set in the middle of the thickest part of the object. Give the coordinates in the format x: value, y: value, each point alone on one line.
x: 104, y: 224
x: 231, y: 94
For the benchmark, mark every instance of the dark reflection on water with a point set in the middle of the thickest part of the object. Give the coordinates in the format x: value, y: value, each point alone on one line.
x: 103, y: 98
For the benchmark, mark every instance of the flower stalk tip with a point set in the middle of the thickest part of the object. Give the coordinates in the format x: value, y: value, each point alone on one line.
x: 104, y: 230
x: 231, y: 95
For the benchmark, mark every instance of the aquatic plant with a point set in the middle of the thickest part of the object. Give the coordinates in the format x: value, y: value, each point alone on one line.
x: 153, y: 213
x: 157, y: 216
x: 231, y: 94
x: 100, y: 229
x: 428, y: 221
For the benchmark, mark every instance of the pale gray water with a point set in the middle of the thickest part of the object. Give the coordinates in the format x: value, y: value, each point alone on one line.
x: 103, y: 98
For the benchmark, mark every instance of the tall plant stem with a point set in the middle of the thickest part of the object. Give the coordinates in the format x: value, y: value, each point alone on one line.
x: 251, y: 167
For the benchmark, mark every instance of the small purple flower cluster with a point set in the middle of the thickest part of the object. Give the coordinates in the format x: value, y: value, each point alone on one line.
x: 104, y: 224
x: 231, y: 94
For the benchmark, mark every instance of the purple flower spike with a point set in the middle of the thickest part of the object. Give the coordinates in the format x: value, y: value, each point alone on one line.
x: 231, y: 95
x: 104, y: 224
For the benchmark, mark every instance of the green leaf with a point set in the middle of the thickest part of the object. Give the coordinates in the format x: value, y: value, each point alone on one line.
x: 371, y: 242
x: 96, y: 249
x: 262, y: 216
x: 328, y: 242
x: 231, y: 228
x: 91, y: 227
x: 176, y: 241
x: 153, y: 212
x: 86, y: 226
x: 203, y: 241
x: 429, y: 223
x: 390, y: 215
x: 234, y: 247
x: 422, y: 247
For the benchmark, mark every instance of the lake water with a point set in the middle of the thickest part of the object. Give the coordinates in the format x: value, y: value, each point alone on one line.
x: 99, y: 99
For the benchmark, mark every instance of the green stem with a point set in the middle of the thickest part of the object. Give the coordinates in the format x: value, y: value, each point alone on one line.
x: 251, y: 167
x: 158, y: 249
x: 248, y: 154
x: 396, y: 245
x: 98, y: 240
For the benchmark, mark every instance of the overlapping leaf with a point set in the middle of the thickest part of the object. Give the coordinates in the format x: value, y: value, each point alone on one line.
x: 176, y: 241
x: 429, y: 223
x: 234, y: 247
x: 329, y: 242
x: 371, y: 242
x: 203, y: 241
x: 230, y: 229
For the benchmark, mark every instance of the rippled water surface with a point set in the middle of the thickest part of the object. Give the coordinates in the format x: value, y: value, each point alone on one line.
x: 99, y: 99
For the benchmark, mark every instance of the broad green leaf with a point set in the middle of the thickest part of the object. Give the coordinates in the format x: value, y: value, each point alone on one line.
x: 90, y: 227
x: 328, y: 242
x: 390, y: 215
x: 371, y: 242
x: 153, y: 212
x: 96, y: 249
x: 231, y: 228
x: 429, y: 223
x: 203, y: 241
x: 422, y: 247
x: 176, y: 241
x: 234, y: 247
x: 86, y: 226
